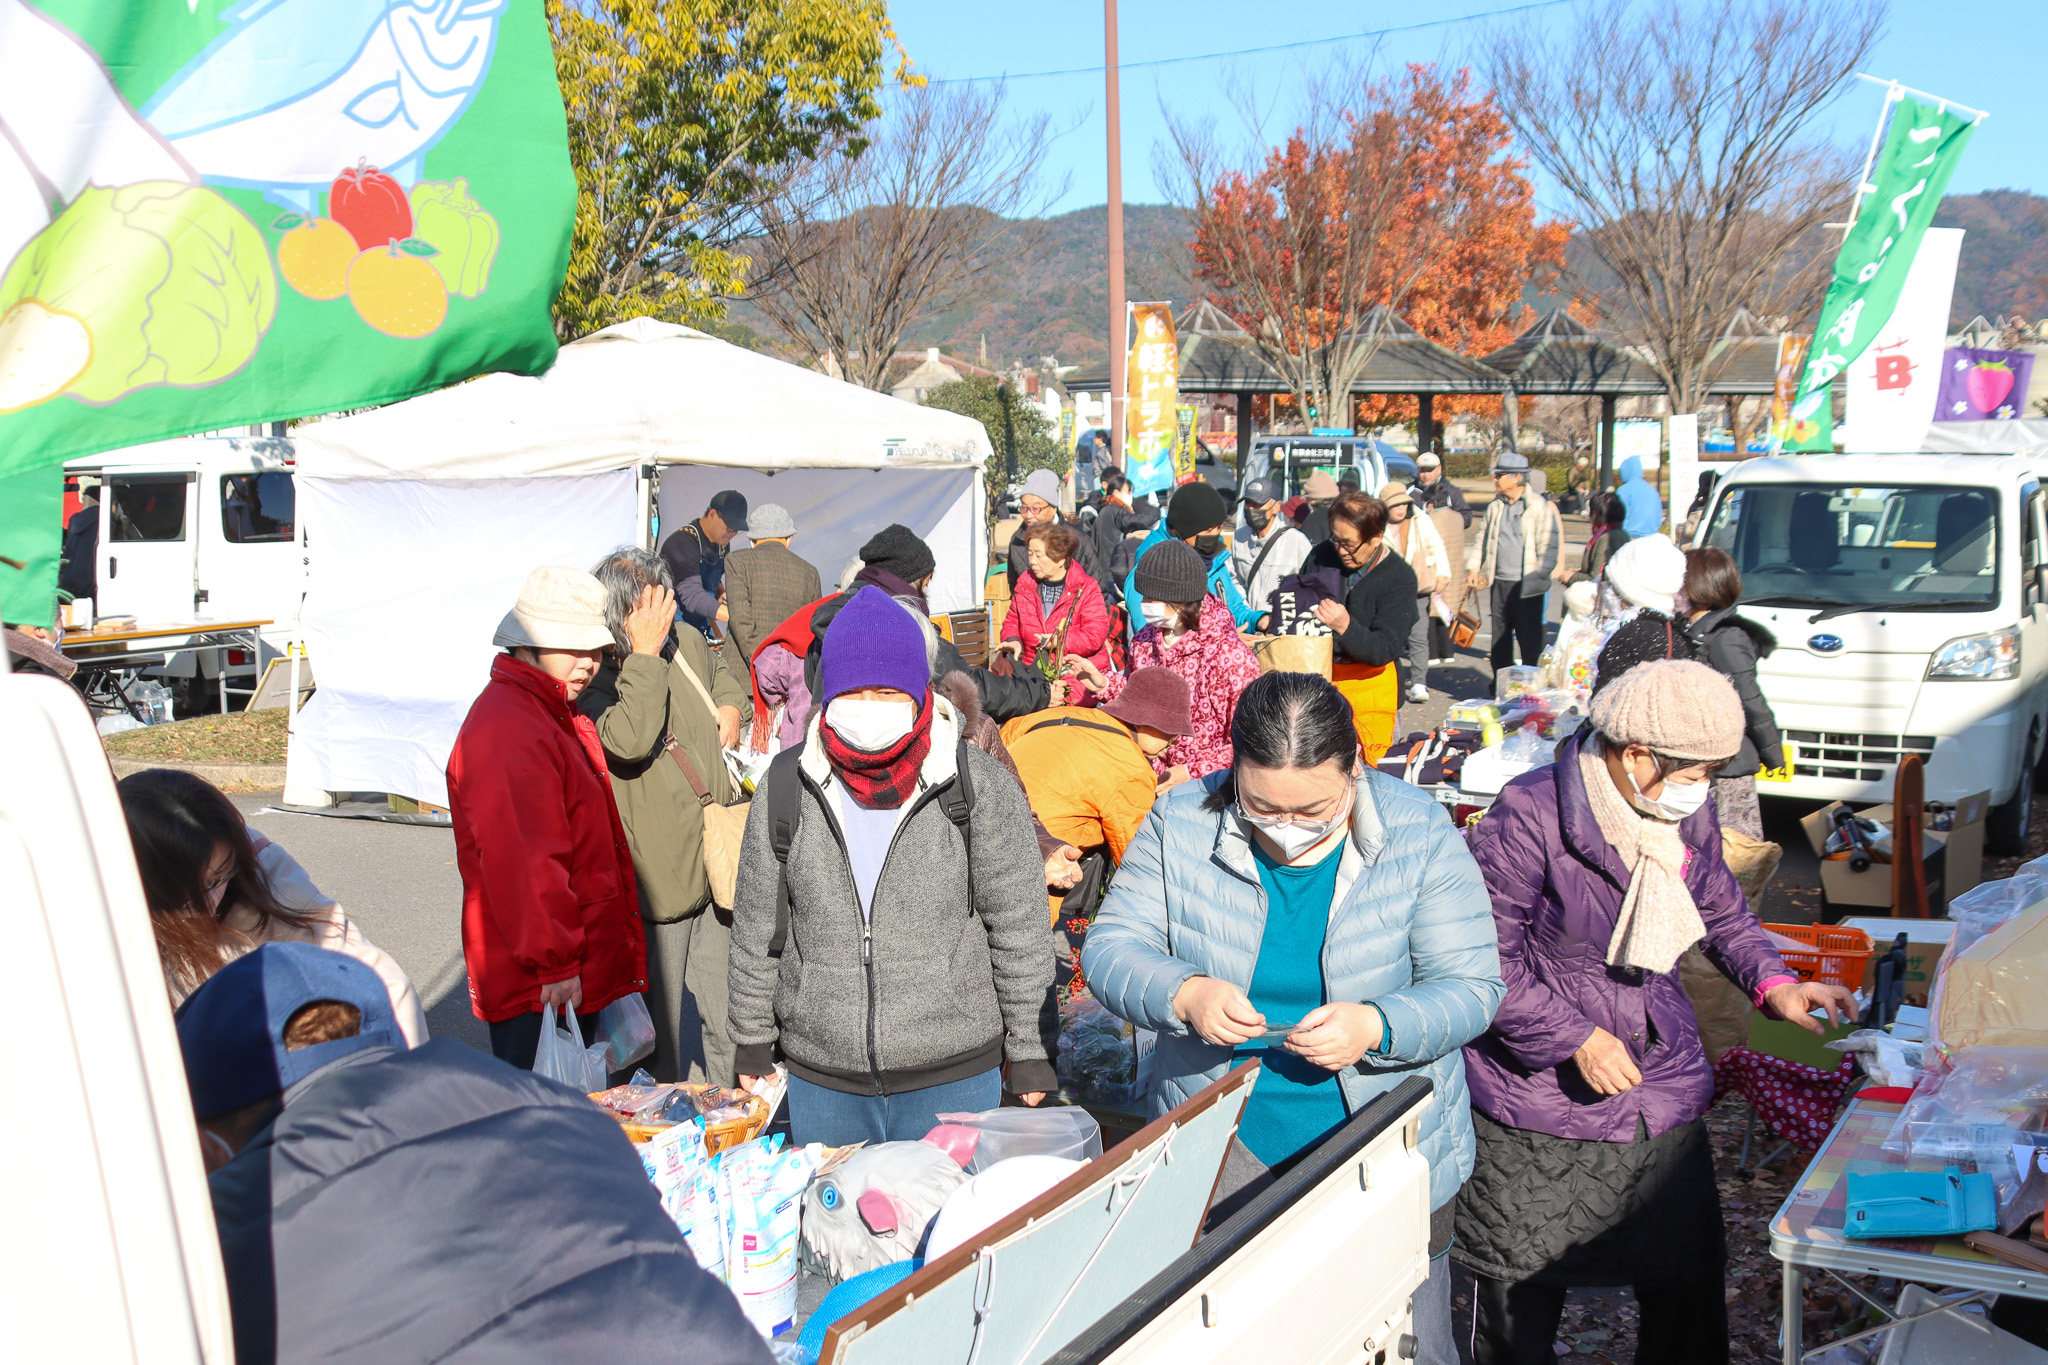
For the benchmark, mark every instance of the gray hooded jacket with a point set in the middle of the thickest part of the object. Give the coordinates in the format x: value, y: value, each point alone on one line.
x: 929, y: 989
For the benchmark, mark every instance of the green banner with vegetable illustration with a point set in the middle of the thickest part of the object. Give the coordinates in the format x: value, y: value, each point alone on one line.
x: 1907, y: 180
x: 221, y: 212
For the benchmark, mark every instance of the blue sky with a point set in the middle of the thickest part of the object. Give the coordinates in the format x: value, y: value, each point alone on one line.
x: 1992, y: 65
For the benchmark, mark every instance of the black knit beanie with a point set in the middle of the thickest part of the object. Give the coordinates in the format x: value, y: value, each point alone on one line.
x: 896, y: 549
x: 1172, y: 572
x: 1194, y: 509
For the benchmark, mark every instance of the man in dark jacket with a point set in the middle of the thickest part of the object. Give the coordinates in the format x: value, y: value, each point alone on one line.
x: 764, y: 584
x: 1431, y: 490
x: 376, y: 1205
x: 898, y: 562
x: 79, y: 575
x: 696, y: 557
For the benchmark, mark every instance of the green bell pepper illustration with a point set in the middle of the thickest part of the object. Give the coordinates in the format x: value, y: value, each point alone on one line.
x: 463, y: 235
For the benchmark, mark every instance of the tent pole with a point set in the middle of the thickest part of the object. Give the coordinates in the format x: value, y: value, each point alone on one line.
x: 646, y: 495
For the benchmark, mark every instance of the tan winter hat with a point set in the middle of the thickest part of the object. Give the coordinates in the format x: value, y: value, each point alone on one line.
x: 558, y: 608
x: 1677, y: 707
x: 1320, y: 487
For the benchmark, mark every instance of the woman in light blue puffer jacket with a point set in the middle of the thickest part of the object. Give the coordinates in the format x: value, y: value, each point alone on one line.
x: 1300, y: 888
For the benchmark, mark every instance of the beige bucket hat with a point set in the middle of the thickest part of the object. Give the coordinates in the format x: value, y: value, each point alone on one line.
x: 558, y: 608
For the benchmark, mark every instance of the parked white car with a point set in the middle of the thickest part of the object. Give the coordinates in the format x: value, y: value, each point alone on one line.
x: 1909, y: 596
x: 204, y: 528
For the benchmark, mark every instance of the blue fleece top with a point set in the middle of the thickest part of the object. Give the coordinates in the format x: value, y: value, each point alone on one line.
x: 1642, y: 510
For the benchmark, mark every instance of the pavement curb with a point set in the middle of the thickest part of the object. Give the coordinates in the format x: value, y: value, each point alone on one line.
x: 229, y: 777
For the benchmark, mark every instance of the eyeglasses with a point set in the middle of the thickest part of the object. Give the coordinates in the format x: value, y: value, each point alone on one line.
x: 218, y: 884
x: 1348, y: 547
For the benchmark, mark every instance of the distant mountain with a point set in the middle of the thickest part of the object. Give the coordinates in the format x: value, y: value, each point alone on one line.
x: 2005, y: 254
x: 1055, y: 301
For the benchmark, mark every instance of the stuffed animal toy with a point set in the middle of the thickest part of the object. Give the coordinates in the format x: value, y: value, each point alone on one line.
x: 872, y: 1208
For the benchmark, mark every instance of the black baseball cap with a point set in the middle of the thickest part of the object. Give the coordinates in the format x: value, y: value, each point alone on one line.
x: 731, y: 507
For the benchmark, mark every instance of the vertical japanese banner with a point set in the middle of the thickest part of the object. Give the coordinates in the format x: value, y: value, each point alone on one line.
x: 1066, y: 428
x: 1919, y: 155
x: 1785, y: 389
x: 217, y: 214
x: 1893, y: 384
x: 1152, y: 381
x: 1183, y: 445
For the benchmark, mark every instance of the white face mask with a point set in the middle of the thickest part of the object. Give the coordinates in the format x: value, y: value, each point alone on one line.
x: 1156, y: 613
x: 1294, y: 837
x: 1675, y: 802
x: 870, y: 726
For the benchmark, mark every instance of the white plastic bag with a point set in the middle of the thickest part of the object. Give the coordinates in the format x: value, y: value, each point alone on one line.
x: 627, y: 1030
x: 1071, y: 1133
x: 562, y: 1056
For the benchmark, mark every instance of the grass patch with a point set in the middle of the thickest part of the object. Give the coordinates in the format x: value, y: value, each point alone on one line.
x: 238, y: 737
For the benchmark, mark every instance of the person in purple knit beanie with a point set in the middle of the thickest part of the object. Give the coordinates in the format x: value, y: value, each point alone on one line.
x: 897, y: 957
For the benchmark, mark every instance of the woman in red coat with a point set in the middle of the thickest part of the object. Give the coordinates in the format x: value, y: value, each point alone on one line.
x: 1056, y: 596
x: 550, y: 910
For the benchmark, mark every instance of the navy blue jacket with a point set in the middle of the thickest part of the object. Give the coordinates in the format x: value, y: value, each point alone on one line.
x: 439, y: 1205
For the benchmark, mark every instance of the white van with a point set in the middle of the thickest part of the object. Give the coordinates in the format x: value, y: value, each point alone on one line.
x: 1908, y: 596
x: 1289, y: 460
x: 203, y: 528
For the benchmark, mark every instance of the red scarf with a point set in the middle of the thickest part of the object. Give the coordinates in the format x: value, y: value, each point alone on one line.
x: 886, y: 779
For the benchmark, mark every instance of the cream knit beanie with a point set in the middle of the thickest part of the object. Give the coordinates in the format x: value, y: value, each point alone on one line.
x: 1677, y: 707
x: 1648, y: 571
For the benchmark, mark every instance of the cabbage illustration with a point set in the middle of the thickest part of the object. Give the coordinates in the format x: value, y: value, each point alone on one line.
x: 463, y: 235
x: 161, y: 282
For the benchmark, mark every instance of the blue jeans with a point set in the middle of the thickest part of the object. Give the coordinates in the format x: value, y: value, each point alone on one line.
x: 836, y: 1118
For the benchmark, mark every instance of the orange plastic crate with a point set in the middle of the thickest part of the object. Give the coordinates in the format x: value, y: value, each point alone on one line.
x: 1839, y: 956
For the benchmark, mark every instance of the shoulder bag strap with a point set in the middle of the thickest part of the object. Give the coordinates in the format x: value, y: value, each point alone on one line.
x: 1259, y: 560
x: 675, y: 751
x: 784, y: 783
x: 697, y: 685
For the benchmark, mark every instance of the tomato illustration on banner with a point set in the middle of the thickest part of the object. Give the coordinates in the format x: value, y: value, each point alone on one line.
x: 233, y: 212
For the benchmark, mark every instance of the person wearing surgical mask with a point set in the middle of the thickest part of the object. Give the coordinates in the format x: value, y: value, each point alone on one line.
x: 1267, y: 549
x: 1307, y: 911
x: 1589, y: 1091
x: 900, y: 960
x: 1188, y: 629
x: 1198, y: 517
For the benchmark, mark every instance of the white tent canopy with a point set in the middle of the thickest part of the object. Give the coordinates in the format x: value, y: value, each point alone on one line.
x: 642, y: 392
x: 421, y: 519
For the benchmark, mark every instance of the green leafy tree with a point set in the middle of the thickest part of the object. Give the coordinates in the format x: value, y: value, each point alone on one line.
x: 683, y: 116
x: 1014, y: 425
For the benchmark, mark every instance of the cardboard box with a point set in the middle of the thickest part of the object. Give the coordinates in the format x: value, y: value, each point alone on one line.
x: 1873, y: 885
x: 1964, y: 867
x: 1925, y: 940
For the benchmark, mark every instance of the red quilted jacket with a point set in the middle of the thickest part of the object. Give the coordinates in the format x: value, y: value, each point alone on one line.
x: 1080, y: 597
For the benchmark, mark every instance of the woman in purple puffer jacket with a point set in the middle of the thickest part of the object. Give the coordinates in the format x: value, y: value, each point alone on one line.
x: 1593, y: 1166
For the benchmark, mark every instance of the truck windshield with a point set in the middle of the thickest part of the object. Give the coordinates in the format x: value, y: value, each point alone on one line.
x: 1928, y: 547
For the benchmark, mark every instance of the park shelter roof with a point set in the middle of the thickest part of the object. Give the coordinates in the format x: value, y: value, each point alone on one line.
x: 1561, y: 355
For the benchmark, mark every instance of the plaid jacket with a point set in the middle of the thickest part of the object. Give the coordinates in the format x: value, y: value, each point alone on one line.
x: 763, y: 585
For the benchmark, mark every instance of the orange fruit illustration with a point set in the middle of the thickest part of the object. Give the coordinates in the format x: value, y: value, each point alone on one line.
x: 314, y: 258
x: 398, y: 293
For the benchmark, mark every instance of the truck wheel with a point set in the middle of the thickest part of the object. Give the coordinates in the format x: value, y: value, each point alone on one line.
x: 2005, y: 830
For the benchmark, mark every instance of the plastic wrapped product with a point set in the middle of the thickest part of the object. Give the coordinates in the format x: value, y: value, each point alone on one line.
x: 999, y: 1134
x: 1989, y: 1099
x: 1516, y: 680
x: 1994, y: 993
x: 763, y: 1189
x: 1098, y: 1053
x: 626, y: 1030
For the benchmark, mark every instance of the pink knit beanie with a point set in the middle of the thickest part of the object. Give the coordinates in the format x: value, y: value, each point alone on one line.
x: 1677, y: 707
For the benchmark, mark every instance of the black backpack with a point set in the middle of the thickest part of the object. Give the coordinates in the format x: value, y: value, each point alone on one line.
x: 784, y: 783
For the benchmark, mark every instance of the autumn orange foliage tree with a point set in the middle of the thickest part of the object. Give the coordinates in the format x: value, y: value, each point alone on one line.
x: 1392, y: 193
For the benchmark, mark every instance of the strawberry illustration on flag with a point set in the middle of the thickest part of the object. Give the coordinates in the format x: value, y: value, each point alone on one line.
x: 1988, y: 382
x: 1979, y: 384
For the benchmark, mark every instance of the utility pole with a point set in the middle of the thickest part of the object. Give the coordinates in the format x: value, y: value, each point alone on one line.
x: 1118, y: 352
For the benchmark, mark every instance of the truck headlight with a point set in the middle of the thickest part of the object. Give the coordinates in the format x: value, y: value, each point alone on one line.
x: 1980, y: 658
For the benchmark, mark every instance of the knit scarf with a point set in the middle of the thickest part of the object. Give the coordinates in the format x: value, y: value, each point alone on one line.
x: 1658, y: 920
x: 888, y: 778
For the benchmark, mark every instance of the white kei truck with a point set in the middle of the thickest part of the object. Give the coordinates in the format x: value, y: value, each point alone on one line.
x: 202, y: 528
x: 1909, y: 597
x: 111, y: 1254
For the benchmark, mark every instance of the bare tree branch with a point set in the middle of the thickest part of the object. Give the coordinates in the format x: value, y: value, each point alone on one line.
x: 857, y: 248
x: 1684, y: 136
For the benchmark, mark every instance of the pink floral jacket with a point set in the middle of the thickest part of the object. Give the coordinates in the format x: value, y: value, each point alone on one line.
x: 1218, y: 665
